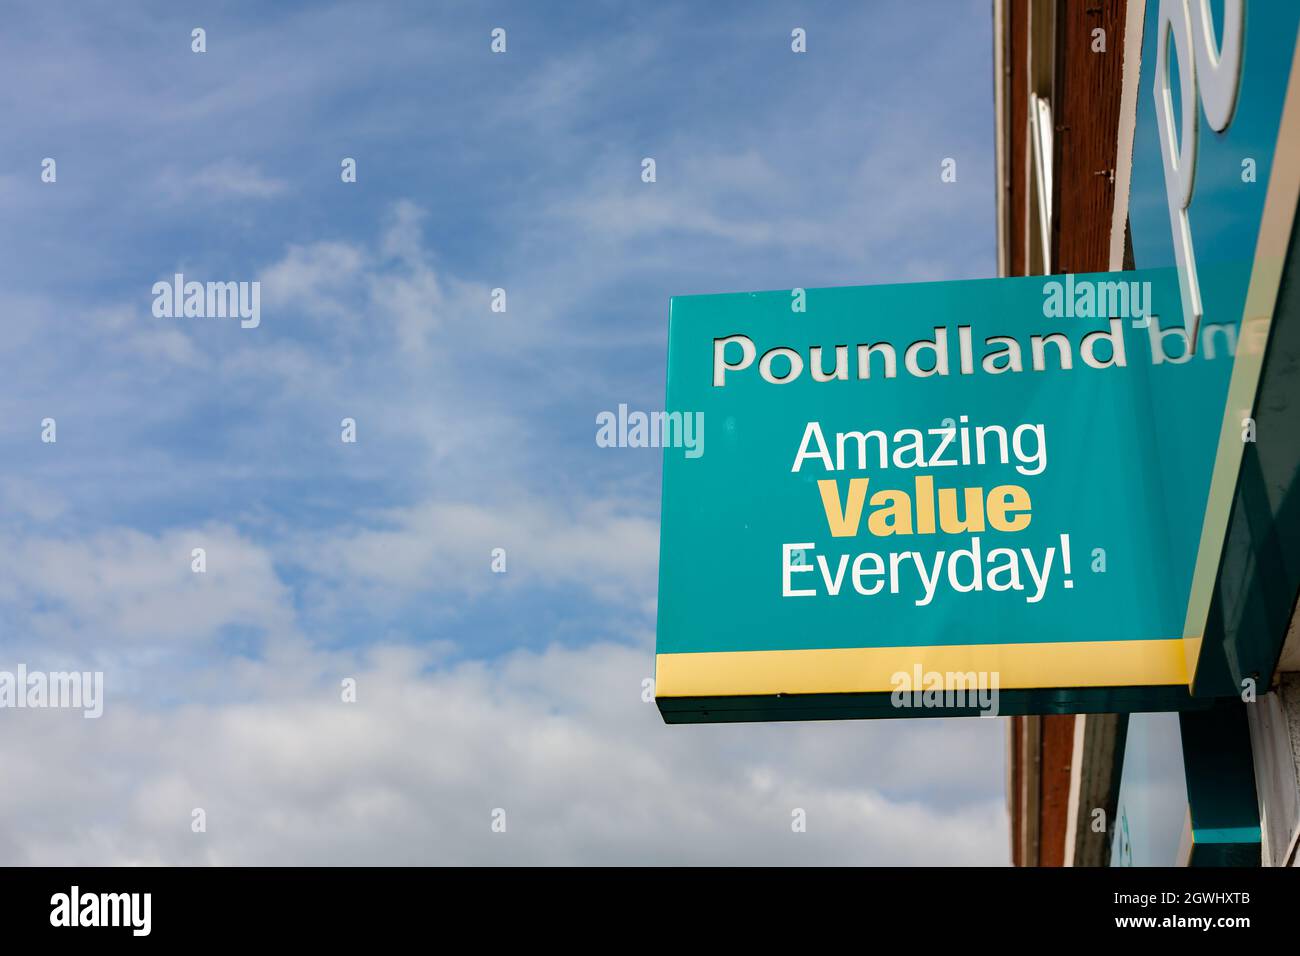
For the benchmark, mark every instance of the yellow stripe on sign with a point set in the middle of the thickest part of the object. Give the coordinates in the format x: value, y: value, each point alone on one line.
x: 862, y: 670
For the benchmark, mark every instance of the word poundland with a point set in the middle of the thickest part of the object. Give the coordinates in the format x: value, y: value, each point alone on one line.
x: 1007, y: 356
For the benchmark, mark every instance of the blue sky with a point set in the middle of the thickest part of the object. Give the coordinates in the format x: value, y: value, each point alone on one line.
x: 475, y: 429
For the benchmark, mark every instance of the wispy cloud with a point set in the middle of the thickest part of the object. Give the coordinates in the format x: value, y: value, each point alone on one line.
x: 227, y: 178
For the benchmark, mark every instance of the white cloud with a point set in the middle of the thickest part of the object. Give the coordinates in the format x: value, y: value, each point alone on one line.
x: 121, y: 587
x: 309, y: 276
x: 601, y: 549
x: 30, y: 499
x: 586, y: 772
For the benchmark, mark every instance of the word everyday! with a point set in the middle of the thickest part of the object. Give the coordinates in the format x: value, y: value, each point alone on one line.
x: 967, y: 569
x: 212, y: 300
x: 103, y: 909
x: 57, y: 689
x: 652, y: 430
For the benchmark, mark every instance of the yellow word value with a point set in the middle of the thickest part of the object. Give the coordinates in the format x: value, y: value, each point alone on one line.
x: 1004, y: 508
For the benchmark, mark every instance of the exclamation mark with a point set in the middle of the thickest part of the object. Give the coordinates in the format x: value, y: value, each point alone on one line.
x: 1065, y: 559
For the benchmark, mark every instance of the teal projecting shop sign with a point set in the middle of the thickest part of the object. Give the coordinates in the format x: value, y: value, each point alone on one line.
x: 960, y: 497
